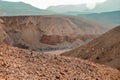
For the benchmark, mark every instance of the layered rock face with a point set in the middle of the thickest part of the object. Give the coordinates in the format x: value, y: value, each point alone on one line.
x: 37, y: 32
x: 55, y: 39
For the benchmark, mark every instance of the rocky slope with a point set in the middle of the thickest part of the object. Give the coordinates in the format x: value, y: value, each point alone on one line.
x: 105, y: 49
x: 50, y: 32
x: 19, y: 64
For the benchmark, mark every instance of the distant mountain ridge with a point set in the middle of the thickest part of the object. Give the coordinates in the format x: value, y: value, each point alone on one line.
x: 106, y: 17
x: 109, y: 5
x: 107, y: 12
x: 20, y: 8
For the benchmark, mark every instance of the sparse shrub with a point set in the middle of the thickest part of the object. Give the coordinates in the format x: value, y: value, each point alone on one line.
x: 22, y: 46
x: 97, y: 58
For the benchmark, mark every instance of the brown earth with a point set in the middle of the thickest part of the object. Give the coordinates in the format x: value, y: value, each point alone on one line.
x: 104, y: 50
x: 19, y: 64
x: 4, y: 37
x: 40, y: 32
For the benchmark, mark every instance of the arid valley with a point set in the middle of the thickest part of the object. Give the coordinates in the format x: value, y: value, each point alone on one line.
x: 64, y: 42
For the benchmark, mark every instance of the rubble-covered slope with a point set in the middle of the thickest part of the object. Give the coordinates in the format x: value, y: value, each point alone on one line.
x: 19, y: 64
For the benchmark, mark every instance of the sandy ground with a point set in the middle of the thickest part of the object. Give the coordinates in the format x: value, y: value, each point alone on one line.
x: 57, y: 52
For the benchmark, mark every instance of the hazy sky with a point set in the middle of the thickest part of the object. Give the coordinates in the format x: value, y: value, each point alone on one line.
x: 43, y: 4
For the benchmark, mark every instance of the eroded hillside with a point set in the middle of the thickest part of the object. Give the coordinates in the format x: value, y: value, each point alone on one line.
x: 49, y: 32
x: 104, y: 50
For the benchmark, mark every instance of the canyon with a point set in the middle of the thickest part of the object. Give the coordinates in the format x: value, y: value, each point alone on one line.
x: 45, y: 33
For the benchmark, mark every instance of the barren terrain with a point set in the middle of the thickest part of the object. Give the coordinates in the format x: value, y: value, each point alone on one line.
x: 19, y: 64
x: 46, y: 33
x: 104, y: 50
x: 41, y: 36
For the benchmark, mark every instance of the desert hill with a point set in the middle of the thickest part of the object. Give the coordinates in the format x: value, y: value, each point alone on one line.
x: 49, y: 32
x: 19, y: 64
x: 20, y: 8
x: 105, y: 49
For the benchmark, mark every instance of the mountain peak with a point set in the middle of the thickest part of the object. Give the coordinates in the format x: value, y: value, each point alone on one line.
x: 20, y: 8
